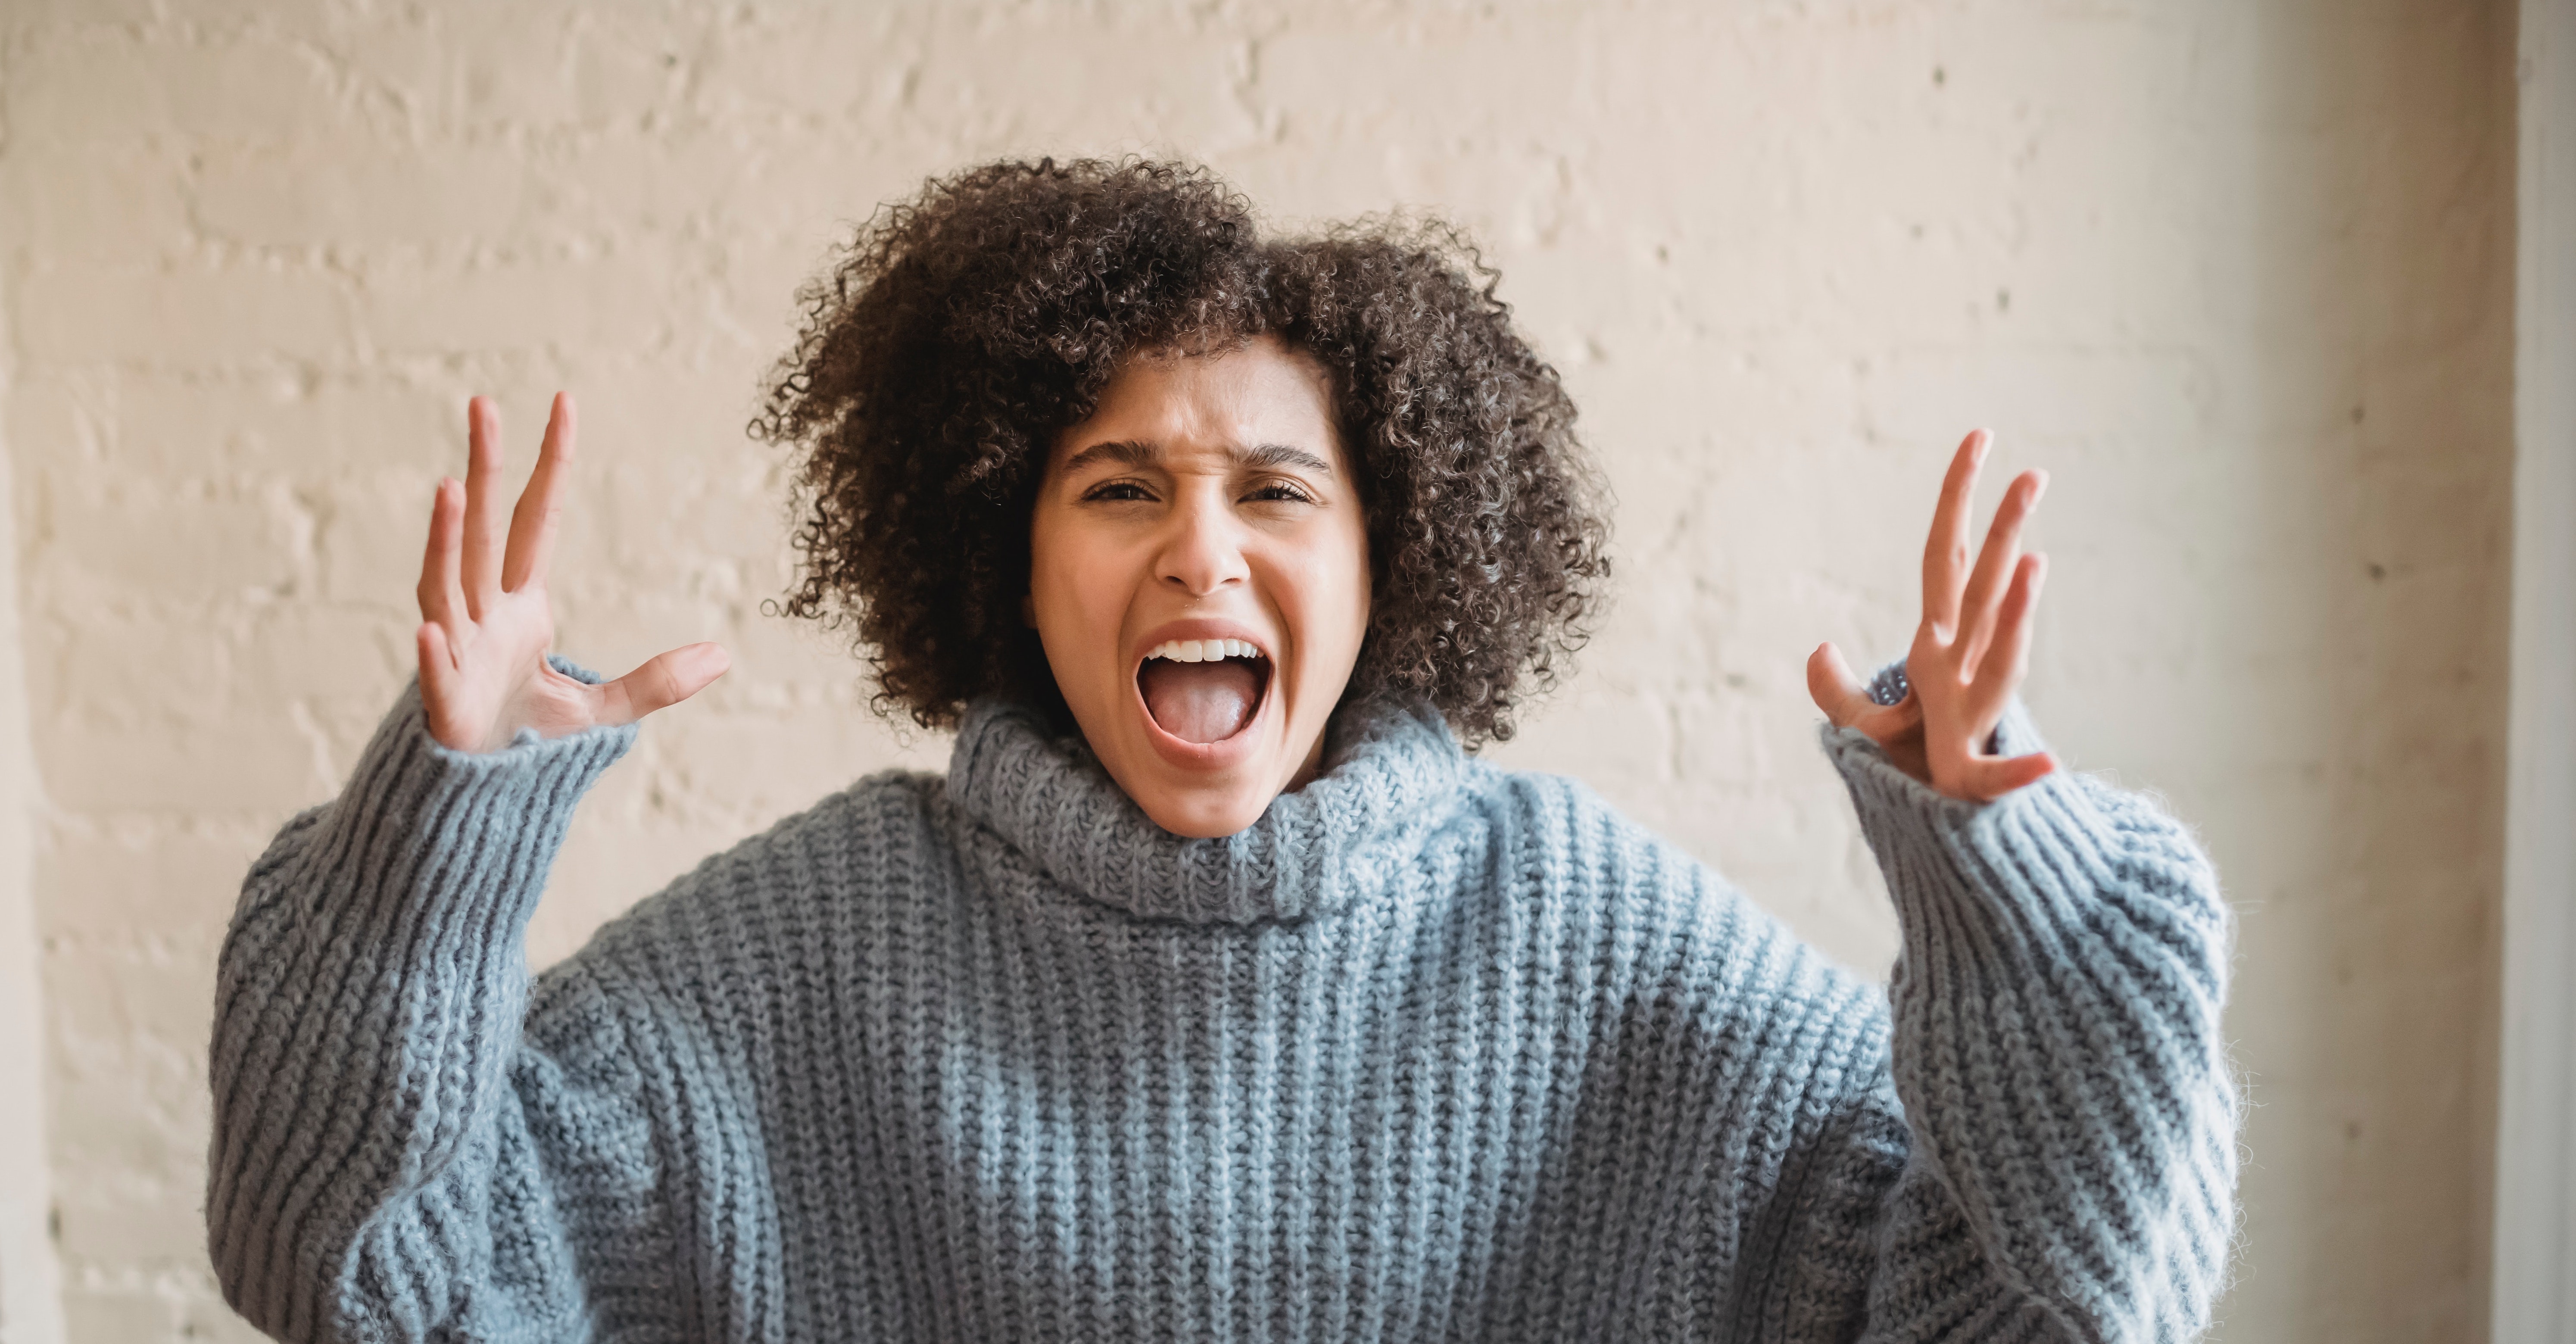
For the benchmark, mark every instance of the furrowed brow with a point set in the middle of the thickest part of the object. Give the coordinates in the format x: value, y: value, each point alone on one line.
x: 1281, y: 455
x: 1125, y: 452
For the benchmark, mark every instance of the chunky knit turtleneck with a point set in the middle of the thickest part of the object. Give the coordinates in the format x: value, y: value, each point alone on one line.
x: 1396, y: 778
x: 1433, y: 1050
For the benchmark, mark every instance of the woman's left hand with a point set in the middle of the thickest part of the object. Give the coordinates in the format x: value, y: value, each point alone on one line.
x: 1970, y: 653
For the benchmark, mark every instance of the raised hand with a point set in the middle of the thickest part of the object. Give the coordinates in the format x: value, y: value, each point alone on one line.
x: 486, y: 623
x: 1969, y: 654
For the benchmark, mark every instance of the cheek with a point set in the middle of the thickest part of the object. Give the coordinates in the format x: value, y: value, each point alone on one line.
x: 1079, y: 588
x: 1060, y: 550
x: 1329, y: 580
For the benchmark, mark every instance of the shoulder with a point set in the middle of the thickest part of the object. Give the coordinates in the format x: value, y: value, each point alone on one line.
x: 1694, y: 979
x: 876, y: 840
x: 1695, y: 933
x: 846, y: 838
x: 1575, y: 844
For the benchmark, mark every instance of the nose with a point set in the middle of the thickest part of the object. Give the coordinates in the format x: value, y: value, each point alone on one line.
x: 1202, y: 552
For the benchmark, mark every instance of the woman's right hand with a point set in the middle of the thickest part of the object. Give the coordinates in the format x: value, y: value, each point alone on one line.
x: 486, y: 623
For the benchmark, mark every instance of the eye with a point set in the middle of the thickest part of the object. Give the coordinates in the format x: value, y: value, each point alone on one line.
x: 1279, y: 492
x: 1116, y: 492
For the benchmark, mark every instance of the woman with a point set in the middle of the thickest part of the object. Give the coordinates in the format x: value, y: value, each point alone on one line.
x: 1216, y: 991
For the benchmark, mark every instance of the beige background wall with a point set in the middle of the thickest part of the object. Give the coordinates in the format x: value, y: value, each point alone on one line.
x: 2239, y: 273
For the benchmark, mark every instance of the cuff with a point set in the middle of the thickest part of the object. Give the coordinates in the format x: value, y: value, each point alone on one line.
x: 1999, y: 874
x: 457, y: 837
x: 2022, y: 881
x: 2040, y: 847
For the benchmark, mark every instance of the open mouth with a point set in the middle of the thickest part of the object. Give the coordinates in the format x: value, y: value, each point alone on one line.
x: 1203, y: 690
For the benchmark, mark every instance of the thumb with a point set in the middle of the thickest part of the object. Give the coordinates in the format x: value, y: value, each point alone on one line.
x: 1833, y: 687
x: 661, y: 682
x: 1845, y: 698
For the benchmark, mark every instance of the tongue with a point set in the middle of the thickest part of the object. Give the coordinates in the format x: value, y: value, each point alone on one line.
x: 1199, y: 702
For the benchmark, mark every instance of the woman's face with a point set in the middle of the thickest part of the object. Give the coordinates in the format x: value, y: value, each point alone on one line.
x: 1199, y: 576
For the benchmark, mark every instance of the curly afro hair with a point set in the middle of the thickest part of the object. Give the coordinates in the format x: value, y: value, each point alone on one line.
x: 963, y: 330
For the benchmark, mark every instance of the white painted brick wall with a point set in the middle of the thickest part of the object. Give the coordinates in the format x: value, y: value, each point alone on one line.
x: 2237, y: 271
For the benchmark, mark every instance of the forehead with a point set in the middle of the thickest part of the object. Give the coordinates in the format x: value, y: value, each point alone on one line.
x: 1260, y: 392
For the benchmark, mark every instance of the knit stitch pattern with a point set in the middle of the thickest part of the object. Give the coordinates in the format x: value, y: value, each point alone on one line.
x: 1434, y: 1050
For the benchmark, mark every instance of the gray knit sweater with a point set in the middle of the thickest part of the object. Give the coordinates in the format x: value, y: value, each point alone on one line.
x: 1434, y: 1051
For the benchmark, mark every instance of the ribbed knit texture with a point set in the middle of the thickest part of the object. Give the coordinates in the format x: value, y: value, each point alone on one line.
x: 1433, y: 1051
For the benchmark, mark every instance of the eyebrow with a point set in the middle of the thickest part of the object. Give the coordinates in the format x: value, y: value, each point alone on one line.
x: 1138, y: 453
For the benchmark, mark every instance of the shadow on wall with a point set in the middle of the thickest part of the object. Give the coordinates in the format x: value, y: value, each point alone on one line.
x: 2375, y: 549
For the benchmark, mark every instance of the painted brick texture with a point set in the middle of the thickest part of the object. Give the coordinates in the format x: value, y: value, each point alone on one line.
x: 2238, y: 273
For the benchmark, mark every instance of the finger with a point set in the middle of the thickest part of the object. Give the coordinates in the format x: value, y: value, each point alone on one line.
x: 441, y: 599
x: 532, y: 523
x: 1986, y: 778
x: 1945, y: 552
x: 437, y: 656
x: 1832, y: 686
x: 1997, y: 564
x: 482, y: 549
x: 660, y: 683
x: 438, y: 683
x: 1845, y: 698
x: 2007, y: 660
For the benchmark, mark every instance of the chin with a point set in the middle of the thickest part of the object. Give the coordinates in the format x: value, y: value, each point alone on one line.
x: 1206, y: 812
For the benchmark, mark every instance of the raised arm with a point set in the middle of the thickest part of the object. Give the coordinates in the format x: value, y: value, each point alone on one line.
x: 388, y: 1160
x: 2061, y: 1138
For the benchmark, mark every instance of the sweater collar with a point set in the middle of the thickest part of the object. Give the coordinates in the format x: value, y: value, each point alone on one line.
x: 1391, y: 775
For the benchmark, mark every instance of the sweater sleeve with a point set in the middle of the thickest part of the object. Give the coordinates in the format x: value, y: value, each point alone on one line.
x: 394, y: 1156
x: 2066, y: 1114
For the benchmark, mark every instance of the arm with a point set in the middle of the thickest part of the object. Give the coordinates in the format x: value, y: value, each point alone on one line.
x: 400, y: 1150
x: 381, y: 1166
x: 2048, y: 1153
x: 2067, y: 1116
x: 2070, y: 1120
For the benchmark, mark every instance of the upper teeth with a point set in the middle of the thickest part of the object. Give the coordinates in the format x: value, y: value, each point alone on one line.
x: 1203, y: 650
